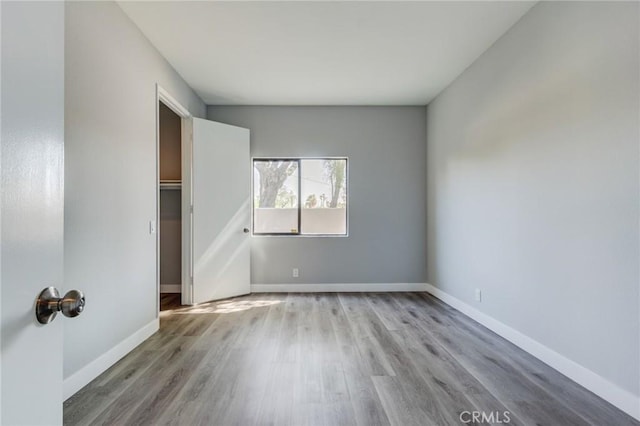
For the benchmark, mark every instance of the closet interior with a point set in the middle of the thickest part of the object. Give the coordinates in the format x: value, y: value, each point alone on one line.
x: 170, y: 229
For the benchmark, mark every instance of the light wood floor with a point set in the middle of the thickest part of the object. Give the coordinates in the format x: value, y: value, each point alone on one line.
x: 330, y: 359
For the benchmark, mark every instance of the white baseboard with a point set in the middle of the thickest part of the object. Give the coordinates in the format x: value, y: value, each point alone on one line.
x: 332, y: 288
x: 624, y: 400
x: 82, y: 377
x: 170, y: 288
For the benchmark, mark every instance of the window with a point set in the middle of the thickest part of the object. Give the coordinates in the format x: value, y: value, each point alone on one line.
x: 300, y: 196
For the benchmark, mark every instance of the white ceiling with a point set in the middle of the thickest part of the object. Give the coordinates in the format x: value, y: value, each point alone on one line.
x: 322, y: 53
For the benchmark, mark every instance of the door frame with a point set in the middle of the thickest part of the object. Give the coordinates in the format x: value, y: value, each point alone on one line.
x: 165, y: 97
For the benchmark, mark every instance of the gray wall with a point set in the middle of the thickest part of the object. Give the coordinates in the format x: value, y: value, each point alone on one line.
x: 386, y: 151
x: 533, y: 184
x: 110, y: 175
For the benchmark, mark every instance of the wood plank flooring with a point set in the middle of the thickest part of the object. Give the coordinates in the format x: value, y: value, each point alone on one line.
x: 330, y: 359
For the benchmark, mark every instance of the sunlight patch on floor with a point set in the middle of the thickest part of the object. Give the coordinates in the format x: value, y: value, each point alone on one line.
x: 226, y: 307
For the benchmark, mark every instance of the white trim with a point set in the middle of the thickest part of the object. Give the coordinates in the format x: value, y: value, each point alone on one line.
x: 86, y: 374
x: 170, y: 288
x: 331, y: 288
x: 172, y: 103
x: 621, y: 398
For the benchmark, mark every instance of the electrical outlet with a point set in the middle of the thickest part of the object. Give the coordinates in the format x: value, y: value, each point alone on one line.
x: 478, y: 295
x: 295, y: 273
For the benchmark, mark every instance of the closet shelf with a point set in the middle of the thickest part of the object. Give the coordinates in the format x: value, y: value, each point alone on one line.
x: 170, y: 184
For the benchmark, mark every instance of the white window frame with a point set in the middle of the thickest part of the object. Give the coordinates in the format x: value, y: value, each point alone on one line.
x: 299, y: 233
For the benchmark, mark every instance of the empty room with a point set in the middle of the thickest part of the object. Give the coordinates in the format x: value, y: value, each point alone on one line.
x: 320, y: 213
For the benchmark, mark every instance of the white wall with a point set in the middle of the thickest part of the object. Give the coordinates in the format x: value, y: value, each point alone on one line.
x: 323, y: 220
x: 110, y: 178
x: 533, y: 192
x: 386, y: 151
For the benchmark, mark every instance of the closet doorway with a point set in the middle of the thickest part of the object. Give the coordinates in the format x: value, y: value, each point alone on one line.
x: 173, y: 221
x: 204, y: 206
x: 170, y: 229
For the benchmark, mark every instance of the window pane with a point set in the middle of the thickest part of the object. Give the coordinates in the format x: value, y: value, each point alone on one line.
x: 324, y: 196
x: 275, y: 198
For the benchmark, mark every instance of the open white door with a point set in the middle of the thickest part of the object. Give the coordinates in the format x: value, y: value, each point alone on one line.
x: 31, y: 209
x: 221, y: 199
